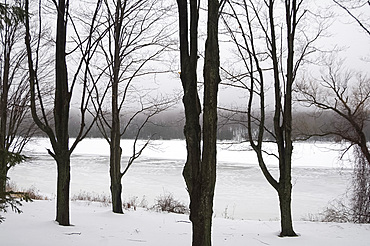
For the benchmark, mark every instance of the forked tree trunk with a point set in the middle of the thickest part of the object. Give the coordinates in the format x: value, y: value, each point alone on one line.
x: 200, y: 169
x: 208, y: 169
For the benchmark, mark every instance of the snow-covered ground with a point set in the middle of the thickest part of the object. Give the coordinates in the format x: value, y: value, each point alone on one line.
x: 242, y: 195
x: 96, y: 225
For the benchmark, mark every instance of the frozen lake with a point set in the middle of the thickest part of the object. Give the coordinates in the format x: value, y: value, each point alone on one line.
x: 241, y: 190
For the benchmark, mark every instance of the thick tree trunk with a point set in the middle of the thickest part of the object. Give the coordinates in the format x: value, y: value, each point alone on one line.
x: 115, y: 176
x: 200, y: 173
x: 202, y: 234
x: 63, y: 184
x: 201, y: 218
x: 116, y: 191
x: 285, y: 201
x: 115, y: 156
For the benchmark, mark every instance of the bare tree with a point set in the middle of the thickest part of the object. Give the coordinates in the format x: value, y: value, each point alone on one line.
x: 357, y: 10
x: 134, y: 38
x: 200, y: 167
x: 57, y: 128
x: 346, y: 94
x: 271, y: 46
x: 15, y: 126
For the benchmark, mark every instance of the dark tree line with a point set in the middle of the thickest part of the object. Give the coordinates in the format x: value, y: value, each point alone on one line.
x: 231, y: 126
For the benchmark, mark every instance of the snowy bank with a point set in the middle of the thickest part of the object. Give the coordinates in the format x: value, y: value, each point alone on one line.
x: 96, y: 225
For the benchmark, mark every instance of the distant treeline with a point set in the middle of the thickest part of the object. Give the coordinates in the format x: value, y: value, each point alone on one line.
x: 170, y: 125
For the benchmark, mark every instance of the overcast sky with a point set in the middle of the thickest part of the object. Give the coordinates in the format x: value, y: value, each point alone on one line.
x: 344, y: 32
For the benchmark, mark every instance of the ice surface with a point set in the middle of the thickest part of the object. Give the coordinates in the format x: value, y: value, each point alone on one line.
x: 241, y: 190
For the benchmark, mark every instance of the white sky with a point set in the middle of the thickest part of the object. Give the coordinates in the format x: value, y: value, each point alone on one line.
x: 343, y: 33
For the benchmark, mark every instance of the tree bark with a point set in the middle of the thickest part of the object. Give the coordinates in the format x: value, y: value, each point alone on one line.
x: 61, y: 117
x: 115, y: 143
x: 3, y: 175
x: 63, y: 183
x: 286, y: 222
x: 200, y: 171
x: 4, y: 118
x: 208, y: 169
x: 115, y: 174
x: 363, y: 146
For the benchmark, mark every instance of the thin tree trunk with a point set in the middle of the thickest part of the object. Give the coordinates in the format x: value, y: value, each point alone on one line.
x: 192, y: 130
x: 3, y: 175
x: 191, y: 172
x: 115, y: 143
x: 3, y: 120
x: 61, y: 117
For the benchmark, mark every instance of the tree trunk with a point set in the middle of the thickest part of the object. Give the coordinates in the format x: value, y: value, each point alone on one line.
x: 61, y: 118
x: 63, y: 182
x: 115, y: 176
x: 4, y: 120
x: 3, y: 175
x: 115, y: 143
x: 115, y: 155
x: 285, y: 200
x: 200, y: 173
x: 363, y: 146
x: 202, y: 231
x: 201, y: 218
x: 116, y: 191
x: 60, y: 139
